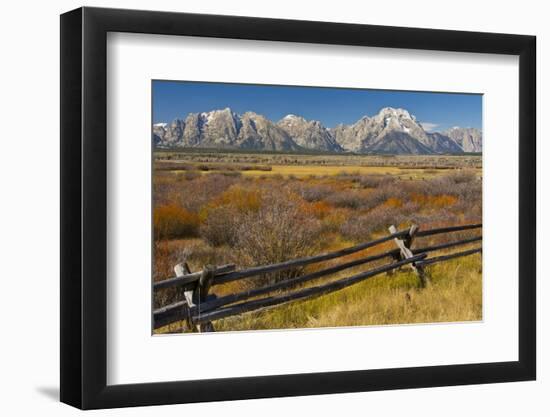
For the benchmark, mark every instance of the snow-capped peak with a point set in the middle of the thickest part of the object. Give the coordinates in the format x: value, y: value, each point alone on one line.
x: 395, y: 112
x: 207, y: 117
x: 163, y: 125
x: 292, y: 117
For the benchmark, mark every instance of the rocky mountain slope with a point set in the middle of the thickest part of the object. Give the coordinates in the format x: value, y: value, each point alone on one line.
x: 391, y: 131
x: 469, y: 139
x: 309, y: 134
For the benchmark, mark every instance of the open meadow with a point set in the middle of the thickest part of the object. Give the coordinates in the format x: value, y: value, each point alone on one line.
x: 249, y: 209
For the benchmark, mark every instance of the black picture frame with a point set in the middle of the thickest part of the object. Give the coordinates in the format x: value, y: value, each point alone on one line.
x: 84, y: 207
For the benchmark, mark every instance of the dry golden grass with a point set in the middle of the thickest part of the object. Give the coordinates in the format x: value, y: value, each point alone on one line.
x: 302, y: 171
x: 455, y: 294
x: 305, y: 171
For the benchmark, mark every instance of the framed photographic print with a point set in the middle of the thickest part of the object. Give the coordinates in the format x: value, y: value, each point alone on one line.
x: 258, y: 208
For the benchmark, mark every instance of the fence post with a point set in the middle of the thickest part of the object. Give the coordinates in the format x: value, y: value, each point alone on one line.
x: 404, y: 246
x: 183, y: 269
x: 201, y: 292
x: 396, y: 257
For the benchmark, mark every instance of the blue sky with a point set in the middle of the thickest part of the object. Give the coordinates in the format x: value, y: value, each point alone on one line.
x: 331, y: 106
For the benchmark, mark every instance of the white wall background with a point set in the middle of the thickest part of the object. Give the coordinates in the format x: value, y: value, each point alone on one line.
x: 29, y: 219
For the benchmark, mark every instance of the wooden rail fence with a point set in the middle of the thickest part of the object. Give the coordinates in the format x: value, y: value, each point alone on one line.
x: 199, y: 309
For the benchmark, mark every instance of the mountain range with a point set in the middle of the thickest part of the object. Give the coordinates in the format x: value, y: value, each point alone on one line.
x: 390, y: 131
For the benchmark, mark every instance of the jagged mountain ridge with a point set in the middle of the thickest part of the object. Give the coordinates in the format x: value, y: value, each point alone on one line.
x: 223, y: 129
x: 390, y: 131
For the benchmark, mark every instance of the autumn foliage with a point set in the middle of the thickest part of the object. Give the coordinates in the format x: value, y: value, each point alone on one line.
x: 220, y: 217
x: 173, y: 222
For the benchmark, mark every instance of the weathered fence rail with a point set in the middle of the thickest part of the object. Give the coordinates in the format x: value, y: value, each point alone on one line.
x: 198, y: 308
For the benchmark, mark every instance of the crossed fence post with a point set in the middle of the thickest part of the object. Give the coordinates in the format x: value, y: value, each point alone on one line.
x: 404, y: 244
x: 195, y: 296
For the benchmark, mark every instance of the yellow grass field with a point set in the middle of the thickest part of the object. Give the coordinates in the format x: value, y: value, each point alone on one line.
x: 301, y: 166
x: 303, y: 171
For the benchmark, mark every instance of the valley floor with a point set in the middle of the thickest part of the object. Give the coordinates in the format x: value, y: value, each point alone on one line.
x: 216, y: 208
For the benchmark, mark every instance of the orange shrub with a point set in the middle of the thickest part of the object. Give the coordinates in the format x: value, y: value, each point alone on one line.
x: 393, y: 202
x: 171, y: 222
x: 319, y: 209
x: 439, y: 201
x: 239, y: 198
